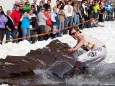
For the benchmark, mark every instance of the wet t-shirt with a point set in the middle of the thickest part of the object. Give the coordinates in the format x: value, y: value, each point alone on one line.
x: 91, y: 42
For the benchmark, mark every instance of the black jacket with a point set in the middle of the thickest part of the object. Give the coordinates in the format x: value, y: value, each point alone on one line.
x: 10, y: 23
x: 34, y: 23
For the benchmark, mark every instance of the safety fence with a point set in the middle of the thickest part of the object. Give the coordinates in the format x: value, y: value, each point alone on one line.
x: 52, y: 31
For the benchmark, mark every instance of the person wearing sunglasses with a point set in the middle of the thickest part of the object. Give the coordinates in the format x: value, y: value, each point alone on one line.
x: 3, y: 20
x: 27, y: 6
x: 88, y: 50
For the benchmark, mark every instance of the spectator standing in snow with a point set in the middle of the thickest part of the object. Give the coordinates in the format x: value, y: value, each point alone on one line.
x: 69, y: 14
x: 10, y: 27
x: 25, y: 26
x: 33, y: 25
x: 47, y: 5
x: 62, y: 17
x: 16, y: 19
x: 27, y: 6
x: 55, y: 22
x: 3, y: 20
x: 102, y: 10
x: 42, y: 23
x: 108, y: 10
x: 48, y: 22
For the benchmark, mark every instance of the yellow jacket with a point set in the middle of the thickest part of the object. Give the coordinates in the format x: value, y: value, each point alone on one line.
x: 96, y: 8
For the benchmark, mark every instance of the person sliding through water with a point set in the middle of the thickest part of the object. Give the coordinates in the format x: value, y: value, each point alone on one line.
x: 88, y: 51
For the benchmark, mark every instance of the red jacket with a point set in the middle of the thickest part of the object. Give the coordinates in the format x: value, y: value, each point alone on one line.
x: 16, y: 17
x: 48, y: 22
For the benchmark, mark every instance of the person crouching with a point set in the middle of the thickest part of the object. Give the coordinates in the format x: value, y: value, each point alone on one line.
x: 88, y: 51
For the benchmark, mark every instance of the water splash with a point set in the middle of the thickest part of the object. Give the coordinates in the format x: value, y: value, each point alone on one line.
x: 44, y: 78
x: 104, y: 74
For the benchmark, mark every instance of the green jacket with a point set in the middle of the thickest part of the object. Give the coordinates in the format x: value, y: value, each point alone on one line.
x: 27, y: 8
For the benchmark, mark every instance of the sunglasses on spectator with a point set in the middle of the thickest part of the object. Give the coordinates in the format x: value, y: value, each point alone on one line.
x: 0, y: 9
x: 49, y: 10
x: 73, y: 33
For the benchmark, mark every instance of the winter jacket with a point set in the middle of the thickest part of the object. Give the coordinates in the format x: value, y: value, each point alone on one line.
x: 3, y: 20
x: 48, y: 22
x: 96, y: 8
x: 16, y: 17
x: 10, y: 23
x: 108, y: 7
x: 55, y: 18
x: 25, y: 22
x: 27, y: 8
x: 34, y: 23
x: 41, y: 18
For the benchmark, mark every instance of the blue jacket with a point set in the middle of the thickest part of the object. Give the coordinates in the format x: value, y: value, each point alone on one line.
x: 3, y: 20
x: 108, y: 7
x: 55, y: 18
x: 25, y: 22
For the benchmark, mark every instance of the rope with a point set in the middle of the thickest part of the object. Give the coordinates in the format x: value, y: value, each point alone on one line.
x: 50, y: 32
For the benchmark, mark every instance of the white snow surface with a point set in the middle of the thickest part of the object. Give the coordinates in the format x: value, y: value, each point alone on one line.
x: 106, y: 34
x: 4, y: 85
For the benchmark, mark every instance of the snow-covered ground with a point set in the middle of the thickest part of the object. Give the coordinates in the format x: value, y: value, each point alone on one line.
x: 106, y: 34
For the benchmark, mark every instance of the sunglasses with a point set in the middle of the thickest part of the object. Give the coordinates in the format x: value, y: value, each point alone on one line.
x: 73, y: 33
x: 0, y: 9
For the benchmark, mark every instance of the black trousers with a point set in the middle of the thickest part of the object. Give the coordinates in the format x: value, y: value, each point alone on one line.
x: 101, y: 15
x: 41, y: 30
x: 33, y: 39
x: 2, y: 32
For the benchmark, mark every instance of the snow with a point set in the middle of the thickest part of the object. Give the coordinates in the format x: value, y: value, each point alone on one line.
x: 106, y: 34
x: 4, y: 85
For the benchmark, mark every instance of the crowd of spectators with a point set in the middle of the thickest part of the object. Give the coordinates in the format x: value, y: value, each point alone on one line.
x: 27, y: 20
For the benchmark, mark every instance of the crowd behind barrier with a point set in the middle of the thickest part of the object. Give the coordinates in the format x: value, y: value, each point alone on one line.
x: 38, y: 22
